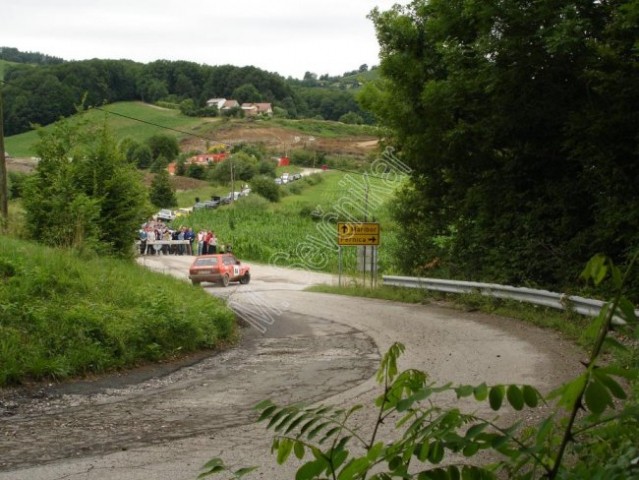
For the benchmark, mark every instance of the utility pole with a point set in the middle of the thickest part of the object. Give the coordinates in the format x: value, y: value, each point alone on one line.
x: 4, y: 195
x: 232, y: 180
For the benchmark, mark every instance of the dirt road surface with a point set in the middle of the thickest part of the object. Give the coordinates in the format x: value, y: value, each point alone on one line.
x: 165, y: 422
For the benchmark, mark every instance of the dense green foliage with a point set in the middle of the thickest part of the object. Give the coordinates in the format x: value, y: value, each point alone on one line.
x: 14, y: 55
x: 63, y: 315
x: 265, y: 187
x: 519, y: 122
x: 162, y: 194
x: 84, y: 194
x: 3, y: 66
x: 163, y: 145
x: 42, y: 93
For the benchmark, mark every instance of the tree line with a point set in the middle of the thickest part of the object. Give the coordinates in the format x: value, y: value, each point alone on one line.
x: 519, y: 122
x: 42, y: 94
x: 14, y: 55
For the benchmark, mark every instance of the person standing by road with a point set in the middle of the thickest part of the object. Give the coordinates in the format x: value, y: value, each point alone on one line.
x: 200, y: 242
x: 212, y: 243
x: 190, y: 236
x: 205, y: 243
x: 142, y: 234
x: 150, y: 238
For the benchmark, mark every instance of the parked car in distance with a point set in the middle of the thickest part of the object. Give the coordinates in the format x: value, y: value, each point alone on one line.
x: 165, y: 215
x: 297, y: 176
x: 206, y: 204
x: 213, y: 203
x: 221, y: 268
x: 278, y: 181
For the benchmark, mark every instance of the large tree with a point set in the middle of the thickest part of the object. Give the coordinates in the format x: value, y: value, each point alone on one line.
x: 519, y: 122
x: 162, y: 193
x: 162, y: 145
x: 84, y: 194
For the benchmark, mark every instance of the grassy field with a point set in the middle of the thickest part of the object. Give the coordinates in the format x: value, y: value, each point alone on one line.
x: 66, y: 316
x: 301, y: 229
x: 115, y: 115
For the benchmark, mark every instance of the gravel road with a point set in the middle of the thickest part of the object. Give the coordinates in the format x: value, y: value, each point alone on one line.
x: 166, y: 421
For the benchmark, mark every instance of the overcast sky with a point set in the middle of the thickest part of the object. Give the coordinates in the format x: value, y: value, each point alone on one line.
x: 284, y: 36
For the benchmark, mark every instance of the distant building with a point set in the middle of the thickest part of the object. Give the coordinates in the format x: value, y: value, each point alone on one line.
x: 252, y: 109
x: 204, y: 159
x: 207, y: 158
x: 222, y: 103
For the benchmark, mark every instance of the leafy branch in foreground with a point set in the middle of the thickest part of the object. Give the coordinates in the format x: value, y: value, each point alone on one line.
x: 433, y: 442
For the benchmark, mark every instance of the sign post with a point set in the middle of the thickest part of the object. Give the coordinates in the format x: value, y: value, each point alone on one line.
x: 359, y: 234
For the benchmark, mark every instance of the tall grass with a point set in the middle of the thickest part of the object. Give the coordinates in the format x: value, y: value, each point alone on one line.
x: 62, y: 315
x: 300, y: 230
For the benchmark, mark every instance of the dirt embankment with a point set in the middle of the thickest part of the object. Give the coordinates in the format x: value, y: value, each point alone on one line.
x: 285, y: 140
x: 22, y: 165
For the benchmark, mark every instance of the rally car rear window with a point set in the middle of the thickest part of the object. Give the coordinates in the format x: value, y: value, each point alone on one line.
x: 206, y: 262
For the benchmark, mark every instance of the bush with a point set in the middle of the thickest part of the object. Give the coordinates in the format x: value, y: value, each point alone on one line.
x: 266, y: 187
x: 307, y: 158
x: 16, y: 182
x: 294, y: 188
x: 314, y: 179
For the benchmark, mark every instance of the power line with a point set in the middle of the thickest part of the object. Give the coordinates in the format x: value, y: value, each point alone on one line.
x: 150, y: 123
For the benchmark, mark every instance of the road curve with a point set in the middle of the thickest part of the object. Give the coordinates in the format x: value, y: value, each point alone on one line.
x: 299, y: 346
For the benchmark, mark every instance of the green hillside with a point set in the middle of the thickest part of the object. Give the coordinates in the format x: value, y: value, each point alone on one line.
x: 60, y: 319
x: 140, y: 121
x: 128, y: 119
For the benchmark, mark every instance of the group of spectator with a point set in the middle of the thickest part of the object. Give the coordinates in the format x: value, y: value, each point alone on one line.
x: 207, y: 241
x: 151, y: 232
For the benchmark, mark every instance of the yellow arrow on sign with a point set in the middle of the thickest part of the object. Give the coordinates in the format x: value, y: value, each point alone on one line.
x: 354, y: 240
x: 357, y: 228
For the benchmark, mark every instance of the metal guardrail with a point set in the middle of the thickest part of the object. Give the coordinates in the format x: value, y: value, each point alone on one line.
x: 561, y: 301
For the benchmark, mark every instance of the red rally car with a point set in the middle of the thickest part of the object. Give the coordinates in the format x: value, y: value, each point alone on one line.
x: 219, y: 268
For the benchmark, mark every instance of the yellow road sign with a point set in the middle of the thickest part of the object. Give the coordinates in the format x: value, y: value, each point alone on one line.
x: 358, y: 233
